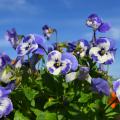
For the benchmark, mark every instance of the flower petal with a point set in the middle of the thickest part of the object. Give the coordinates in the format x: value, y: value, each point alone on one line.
x: 104, y: 27
x: 101, y: 86
x: 103, y: 42
x: 73, y: 60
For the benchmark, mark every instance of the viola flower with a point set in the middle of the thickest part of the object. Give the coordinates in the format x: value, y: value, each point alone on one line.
x: 31, y: 44
x: 47, y: 31
x: 6, y: 106
x: 12, y: 37
x: 84, y: 71
x: 116, y: 88
x: 81, y: 74
x: 4, y: 60
x: 80, y: 47
x: 27, y: 45
x: 5, y: 75
x: 4, y: 92
x: 11, y: 85
x: 100, y: 85
x: 42, y: 48
x: 95, y: 22
x: 61, y: 63
x: 103, y: 51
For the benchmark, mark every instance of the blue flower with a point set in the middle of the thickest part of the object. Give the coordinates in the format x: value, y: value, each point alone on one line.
x: 47, y: 31
x: 4, y: 92
x: 103, y: 51
x: 116, y: 88
x: 84, y: 71
x: 100, y: 85
x: 59, y: 63
x: 81, y: 74
x: 80, y: 47
x: 6, y: 106
x: 4, y: 60
x: 12, y: 37
x: 95, y: 22
x: 31, y: 44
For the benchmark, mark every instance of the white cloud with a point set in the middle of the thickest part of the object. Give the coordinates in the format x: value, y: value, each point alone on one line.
x: 67, y: 3
x: 4, y: 43
x: 12, y: 2
x: 16, y: 6
x: 114, y: 33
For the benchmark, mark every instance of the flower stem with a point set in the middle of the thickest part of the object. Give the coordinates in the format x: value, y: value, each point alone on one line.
x: 94, y: 36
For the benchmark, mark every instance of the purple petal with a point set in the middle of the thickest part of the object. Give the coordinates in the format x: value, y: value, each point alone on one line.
x: 104, y: 27
x: 72, y: 58
x: 116, y: 84
x: 40, y: 51
x: 101, y: 86
x: 66, y: 69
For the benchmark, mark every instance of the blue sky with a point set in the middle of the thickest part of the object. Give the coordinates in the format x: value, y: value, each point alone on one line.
x: 67, y: 16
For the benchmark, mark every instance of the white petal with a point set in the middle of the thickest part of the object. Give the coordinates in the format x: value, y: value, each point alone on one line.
x: 118, y: 93
x: 5, y: 76
x: 88, y: 78
x: 71, y: 76
x: 94, y: 50
x: 105, y: 45
x: 57, y: 71
x: 83, y: 54
x: 50, y: 63
x: 55, y: 55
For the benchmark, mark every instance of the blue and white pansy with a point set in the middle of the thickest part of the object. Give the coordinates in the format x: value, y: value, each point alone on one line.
x: 95, y: 22
x: 4, y: 60
x: 32, y: 43
x: 12, y: 37
x: 116, y: 88
x: 6, y: 106
x: 27, y: 45
x: 80, y: 47
x: 103, y: 51
x: 61, y: 63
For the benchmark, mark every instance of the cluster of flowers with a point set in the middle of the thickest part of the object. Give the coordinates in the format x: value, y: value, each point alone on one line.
x: 59, y: 61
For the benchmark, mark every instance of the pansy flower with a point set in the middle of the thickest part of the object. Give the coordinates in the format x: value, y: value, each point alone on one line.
x: 103, y: 51
x: 6, y: 106
x: 80, y: 47
x: 4, y: 92
x: 31, y: 44
x: 61, y: 63
x: 4, y: 60
x: 100, y: 85
x: 116, y: 88
x: 95, y: 22
x: 81, y: 74
x: 12, y: 37
x: 48, y: 31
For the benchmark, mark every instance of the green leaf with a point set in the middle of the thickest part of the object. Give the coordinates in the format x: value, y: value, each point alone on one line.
x: 33, y: 103
x: 50, y: 116
x: 50, y: 102
x: 40, y: 115
x: 20, y: 116
x: 60, y: 117
x: 84, y: 97
x: 29, y: 93
x: 111, y: 114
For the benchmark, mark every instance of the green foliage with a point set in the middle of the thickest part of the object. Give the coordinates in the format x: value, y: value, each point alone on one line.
x: 42, y: 96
